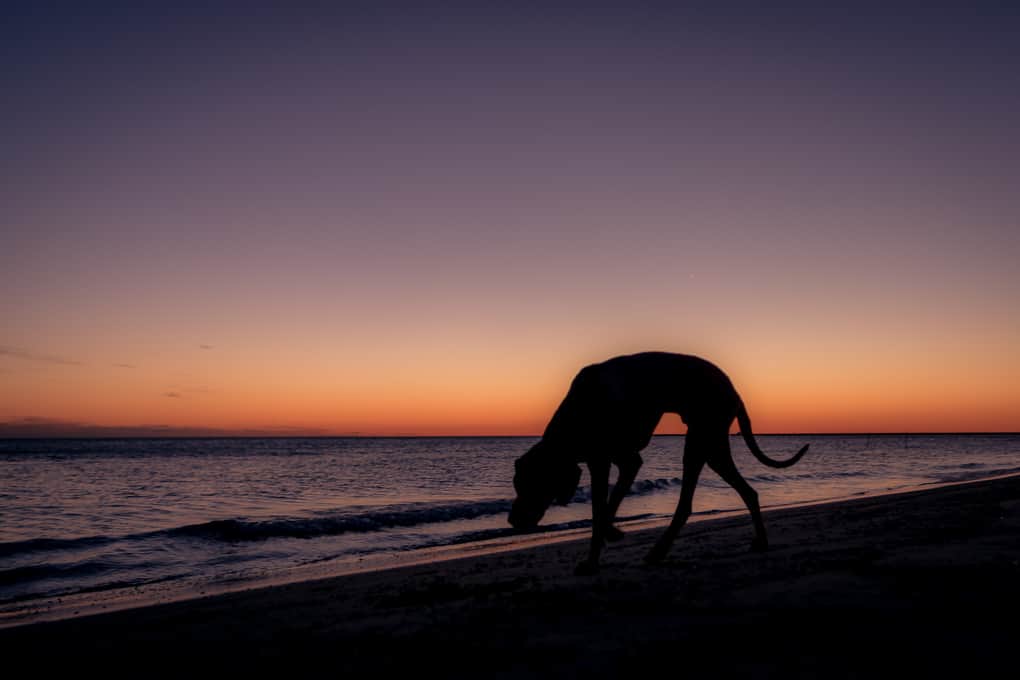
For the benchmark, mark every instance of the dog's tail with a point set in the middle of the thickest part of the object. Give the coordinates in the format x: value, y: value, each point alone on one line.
x: 745, y: 432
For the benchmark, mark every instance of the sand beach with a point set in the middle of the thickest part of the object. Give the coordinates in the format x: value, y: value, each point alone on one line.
x: 924, y: 583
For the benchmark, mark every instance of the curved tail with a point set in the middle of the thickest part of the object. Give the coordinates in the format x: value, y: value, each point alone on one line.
x: 745, y: 432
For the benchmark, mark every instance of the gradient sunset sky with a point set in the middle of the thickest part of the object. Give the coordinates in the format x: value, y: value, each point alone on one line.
x: 420, y: 218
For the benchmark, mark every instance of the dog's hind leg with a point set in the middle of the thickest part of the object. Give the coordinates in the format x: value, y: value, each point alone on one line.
x: 694, y: 461
x: 721, y: 461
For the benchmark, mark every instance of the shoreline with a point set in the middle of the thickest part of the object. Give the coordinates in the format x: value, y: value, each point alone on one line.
x: 74, y: 606
x: 906, y: 575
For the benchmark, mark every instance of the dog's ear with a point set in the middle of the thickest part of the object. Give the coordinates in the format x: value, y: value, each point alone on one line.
x: 567, y: 484
x: 519, y: 474
x: 529, y: 460
x: 536, y: 452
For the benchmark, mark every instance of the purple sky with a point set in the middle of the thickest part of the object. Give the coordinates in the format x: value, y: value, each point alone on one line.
x: 800, y: 192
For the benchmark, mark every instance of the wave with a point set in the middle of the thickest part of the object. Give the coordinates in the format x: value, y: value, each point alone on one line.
x: 233, y: 530
x: 376, y: 519
x: 971, y: 472
x: 371, y: 519
x: 240, y: 529
x: 359, y: 521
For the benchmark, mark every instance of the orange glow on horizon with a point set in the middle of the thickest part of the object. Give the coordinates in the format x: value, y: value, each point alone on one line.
x: 416, y: 401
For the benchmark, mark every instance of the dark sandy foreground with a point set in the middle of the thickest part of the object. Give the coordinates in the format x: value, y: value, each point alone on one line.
x: 918, y: 584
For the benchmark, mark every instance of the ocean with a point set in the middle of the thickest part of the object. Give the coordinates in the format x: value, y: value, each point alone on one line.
x: 90, y: 525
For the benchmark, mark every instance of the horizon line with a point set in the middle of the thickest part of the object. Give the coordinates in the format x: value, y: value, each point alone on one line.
x: 488, y: 436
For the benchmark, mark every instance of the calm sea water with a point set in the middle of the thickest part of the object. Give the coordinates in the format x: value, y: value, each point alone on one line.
x: 93, y: 521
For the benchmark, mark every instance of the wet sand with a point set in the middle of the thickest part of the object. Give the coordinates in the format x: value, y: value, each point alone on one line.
x: 926, y: 582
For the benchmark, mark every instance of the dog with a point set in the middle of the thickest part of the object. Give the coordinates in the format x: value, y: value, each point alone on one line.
x: 608, y: 417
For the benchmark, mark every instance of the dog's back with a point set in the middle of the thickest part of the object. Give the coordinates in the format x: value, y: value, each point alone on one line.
x: 620, y: 401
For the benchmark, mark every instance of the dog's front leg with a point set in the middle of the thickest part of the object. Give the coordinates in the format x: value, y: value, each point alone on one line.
x: 628, y: 467
x: 599, y: 471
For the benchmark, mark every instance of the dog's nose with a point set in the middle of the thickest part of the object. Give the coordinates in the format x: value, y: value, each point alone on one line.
x: 522, y: 518
x: 514, y: 518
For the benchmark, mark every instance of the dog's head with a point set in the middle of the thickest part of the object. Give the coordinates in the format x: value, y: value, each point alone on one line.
x: 542, y: 476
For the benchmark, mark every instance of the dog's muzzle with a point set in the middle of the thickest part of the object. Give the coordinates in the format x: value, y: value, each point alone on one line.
x: 523, y: 517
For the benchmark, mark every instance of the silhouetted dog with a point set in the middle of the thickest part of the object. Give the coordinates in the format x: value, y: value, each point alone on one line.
x: 609, y: 415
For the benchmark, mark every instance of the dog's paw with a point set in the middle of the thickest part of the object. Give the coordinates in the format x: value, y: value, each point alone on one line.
x: 613, y: 534
x: 759, y: 544
x: 586, y: 568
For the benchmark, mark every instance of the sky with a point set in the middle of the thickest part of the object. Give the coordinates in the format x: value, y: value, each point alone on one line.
x: 424, y: 218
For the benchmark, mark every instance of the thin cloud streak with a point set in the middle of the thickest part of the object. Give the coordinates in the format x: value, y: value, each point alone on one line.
x: 28, y: 355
